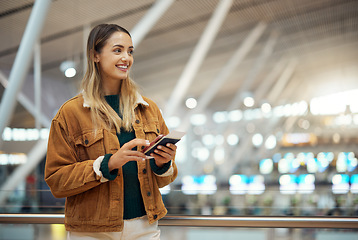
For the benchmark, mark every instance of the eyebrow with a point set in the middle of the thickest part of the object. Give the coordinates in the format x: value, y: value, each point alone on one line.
x: 121, y: 46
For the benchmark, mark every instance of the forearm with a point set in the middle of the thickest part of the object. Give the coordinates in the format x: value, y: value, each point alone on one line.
x: 71, y: 179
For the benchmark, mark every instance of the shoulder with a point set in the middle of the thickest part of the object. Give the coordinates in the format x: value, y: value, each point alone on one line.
x: 153, y: 112
x: 149, y: 101
x: 150, y: 104
x: 71, y: 107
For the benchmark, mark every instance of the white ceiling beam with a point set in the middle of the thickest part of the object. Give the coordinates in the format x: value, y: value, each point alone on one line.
x: 259, y: 63
x: 282, y: 82
x: 22, y: 61
x: 268, y: 81
x: 197, y: 58
x: 263, y: 87
x: 231, y: 65
x: 260, y: 92
x: 141, y: 29
x: 248, y: 81
x: 26, y: 103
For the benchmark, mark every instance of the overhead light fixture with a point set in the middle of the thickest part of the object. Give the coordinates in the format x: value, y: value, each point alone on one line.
x: 249, y: 101
x: 68, y: 68
x: 191, y: 103
x: 266, y: 107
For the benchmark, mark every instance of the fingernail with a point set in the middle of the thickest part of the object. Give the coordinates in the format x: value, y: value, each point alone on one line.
x: 159, y: 147
x: 147, y: 142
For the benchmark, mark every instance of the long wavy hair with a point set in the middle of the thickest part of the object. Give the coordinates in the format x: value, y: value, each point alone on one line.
x: 92, y: 90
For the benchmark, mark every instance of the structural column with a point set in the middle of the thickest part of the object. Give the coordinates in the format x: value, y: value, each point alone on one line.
x: 37, y: 84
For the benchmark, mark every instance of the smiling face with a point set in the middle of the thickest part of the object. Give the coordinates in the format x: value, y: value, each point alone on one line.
x: 115, y: 60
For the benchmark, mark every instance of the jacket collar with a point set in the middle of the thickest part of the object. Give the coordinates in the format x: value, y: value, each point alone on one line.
x: 139, y: 100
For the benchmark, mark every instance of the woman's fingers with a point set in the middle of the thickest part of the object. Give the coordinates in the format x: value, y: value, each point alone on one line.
x: 134, y: 143
x: 169, y: 149
x: 129, y: 154
x: 126, y: 154
x: 164, y: 154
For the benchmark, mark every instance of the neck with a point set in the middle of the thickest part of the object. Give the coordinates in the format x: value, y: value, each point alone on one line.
x: 112, y: 87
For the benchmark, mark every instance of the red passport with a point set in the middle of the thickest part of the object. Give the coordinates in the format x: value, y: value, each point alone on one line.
x: 173, y: 137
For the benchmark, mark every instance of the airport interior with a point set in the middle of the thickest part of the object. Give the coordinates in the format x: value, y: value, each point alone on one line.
x: 266, y: 92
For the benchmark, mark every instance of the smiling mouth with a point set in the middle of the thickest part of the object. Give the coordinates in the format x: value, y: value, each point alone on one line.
x: 122, y: 67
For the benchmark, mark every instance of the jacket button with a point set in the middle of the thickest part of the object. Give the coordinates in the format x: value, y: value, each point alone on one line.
x: 86, y: 141
x: 144, y: 171
x: 137, y: 121
x: 155, y: 216
x: 148, y: 194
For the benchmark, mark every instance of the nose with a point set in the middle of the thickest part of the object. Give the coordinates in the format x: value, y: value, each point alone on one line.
x: 125, y: 57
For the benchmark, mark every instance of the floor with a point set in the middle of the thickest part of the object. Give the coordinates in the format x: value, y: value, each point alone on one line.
x: 57, y: 232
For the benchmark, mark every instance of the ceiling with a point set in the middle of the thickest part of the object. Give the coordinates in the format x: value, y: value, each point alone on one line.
x: 317, y: 40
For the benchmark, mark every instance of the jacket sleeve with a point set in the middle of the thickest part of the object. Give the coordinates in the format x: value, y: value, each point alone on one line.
x: 64, y: 173
x: 169, y: 176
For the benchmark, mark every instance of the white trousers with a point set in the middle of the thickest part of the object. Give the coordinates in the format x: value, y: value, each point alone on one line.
x: 135, y: 229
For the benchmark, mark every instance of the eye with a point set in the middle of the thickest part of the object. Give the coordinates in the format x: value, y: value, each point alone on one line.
x: 117, y: 50
x: 130, y: 52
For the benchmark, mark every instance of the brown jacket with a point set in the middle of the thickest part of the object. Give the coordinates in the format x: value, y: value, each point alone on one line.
x: 73, y: 147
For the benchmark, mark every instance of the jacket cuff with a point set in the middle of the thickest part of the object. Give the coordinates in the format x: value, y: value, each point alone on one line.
x: 164, y: 171
x: 110, y: 175
x: 96, y: 168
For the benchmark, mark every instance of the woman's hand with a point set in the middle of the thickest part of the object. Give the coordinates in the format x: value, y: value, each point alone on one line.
x: 126, y: 154
x: 164, y: 154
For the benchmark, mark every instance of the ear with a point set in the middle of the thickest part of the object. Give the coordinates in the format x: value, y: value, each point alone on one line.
x: 96, y: 57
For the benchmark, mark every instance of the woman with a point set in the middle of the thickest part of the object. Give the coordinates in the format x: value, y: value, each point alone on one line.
x: 94, y: 157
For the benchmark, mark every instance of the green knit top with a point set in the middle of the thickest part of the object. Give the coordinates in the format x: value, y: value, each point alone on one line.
x: 133, y: 201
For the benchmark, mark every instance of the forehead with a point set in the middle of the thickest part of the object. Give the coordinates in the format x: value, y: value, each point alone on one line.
x: 120, y: 38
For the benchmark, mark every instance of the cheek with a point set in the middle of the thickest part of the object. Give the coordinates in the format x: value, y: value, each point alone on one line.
x: 105, y: 68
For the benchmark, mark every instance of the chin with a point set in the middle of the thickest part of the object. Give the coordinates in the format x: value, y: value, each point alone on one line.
x: 122, y: 76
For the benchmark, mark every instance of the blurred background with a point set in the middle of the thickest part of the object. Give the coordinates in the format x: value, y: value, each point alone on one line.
x: 267, y: 91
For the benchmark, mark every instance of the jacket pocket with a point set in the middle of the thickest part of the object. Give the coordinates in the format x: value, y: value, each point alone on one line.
x: 90, y: 145
x: 151, y: 130
x: 85, y: 206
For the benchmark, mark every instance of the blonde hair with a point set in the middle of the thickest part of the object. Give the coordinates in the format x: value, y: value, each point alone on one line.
x: 101, y: 111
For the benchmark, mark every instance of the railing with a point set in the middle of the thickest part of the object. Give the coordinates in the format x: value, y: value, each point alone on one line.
x: 208, y: 221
